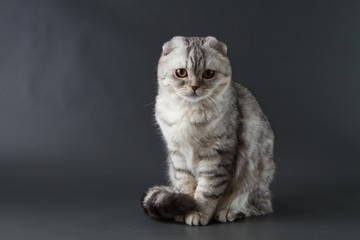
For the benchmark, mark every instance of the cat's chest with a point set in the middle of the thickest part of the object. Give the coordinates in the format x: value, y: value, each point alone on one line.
x: 184, y: 124
x: 181, y: 125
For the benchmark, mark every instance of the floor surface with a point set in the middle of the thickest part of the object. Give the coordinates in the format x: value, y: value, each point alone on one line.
x: 123, y: 218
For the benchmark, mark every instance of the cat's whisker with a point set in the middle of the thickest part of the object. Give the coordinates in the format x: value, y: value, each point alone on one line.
x: 148, y: 104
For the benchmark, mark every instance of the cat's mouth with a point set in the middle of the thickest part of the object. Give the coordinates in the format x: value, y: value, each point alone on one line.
x: 193, y: 96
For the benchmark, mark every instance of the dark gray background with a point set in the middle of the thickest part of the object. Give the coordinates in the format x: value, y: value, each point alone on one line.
x: 78, y: 143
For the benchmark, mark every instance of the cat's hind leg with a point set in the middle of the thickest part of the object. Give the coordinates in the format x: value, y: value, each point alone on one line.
x: 231, y: 207
x: 257, y: 202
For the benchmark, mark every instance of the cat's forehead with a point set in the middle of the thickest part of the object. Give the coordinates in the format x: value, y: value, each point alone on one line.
x: 195, y: 54
x: 194, y: 42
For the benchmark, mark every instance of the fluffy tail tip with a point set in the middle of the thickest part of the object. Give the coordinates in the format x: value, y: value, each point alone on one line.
x: 164, y: 202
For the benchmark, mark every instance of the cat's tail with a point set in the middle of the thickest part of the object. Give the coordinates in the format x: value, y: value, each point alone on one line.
x: 165, y: 202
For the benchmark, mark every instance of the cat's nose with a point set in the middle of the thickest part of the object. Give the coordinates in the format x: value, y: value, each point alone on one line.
x: 194, y: 88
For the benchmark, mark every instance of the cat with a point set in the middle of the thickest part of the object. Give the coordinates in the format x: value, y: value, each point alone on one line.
x: 219, y: 142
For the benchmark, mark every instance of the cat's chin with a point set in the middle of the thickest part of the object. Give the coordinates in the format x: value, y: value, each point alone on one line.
x: 194, y: 98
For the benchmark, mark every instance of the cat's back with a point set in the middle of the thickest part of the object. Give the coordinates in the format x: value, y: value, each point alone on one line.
x: 255, y: 126
x: 249, y: 106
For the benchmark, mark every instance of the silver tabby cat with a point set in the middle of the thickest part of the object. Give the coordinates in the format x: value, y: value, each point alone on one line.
x: 220, y: 144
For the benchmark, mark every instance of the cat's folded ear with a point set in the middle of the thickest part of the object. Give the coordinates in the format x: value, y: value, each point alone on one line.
x: 216, y: 44
x: 169, y: 46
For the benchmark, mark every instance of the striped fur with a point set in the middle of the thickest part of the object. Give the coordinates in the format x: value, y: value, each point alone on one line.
x: 220, y: 144
x: 165, y: 202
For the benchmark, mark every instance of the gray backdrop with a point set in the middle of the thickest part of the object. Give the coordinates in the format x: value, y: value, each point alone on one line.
x: 78, y: 142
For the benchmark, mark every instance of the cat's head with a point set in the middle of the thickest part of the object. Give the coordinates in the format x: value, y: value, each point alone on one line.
x: 194, y: 68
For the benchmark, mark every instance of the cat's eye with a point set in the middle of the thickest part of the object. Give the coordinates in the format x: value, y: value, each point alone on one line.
x: 208, y: 74
x: 181, y: 72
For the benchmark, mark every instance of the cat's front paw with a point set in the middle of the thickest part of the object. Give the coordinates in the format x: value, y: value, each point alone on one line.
x: 195, y: 218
